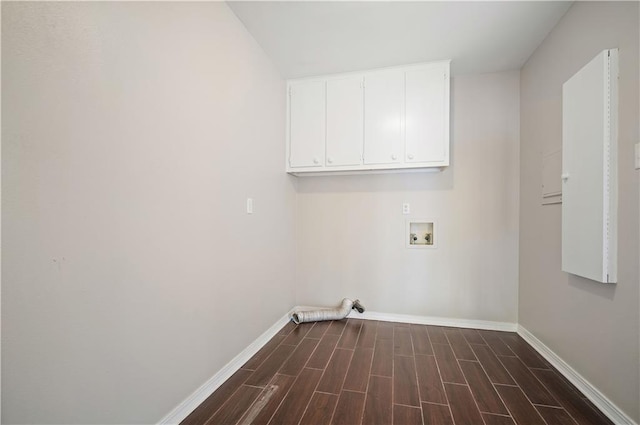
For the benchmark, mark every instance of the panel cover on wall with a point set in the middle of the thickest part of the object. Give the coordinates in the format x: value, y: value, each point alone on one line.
x: 589, y: 170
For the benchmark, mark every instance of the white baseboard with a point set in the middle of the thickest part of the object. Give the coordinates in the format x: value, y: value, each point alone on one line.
x: 426, y: 320
x: 183, y: 410
x: 591, y: 392
x: 436, y: 321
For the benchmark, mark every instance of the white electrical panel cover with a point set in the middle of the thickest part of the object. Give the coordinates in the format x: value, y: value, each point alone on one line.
x: 589, y: 170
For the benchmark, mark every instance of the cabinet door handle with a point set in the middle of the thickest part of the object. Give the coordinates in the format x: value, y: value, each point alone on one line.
x: 315, y: 160
x: 410, y: 156
x: 330, y: 160
x: 394, y: 157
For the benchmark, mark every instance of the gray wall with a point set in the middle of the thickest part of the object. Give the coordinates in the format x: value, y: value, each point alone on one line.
x: 594, y: 327
x: 351, y: 230
x: 132, y: 134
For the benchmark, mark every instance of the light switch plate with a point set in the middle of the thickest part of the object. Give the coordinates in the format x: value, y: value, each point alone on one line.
x: 249, y: 205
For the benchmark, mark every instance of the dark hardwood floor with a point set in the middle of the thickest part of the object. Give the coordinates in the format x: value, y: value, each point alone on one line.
x: 364, y: 372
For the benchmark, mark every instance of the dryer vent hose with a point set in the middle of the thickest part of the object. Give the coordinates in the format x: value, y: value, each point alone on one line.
x: 327, y: 313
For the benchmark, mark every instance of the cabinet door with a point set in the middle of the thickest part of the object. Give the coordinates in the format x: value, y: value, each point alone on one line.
x: 383, y: 113
x: 345, y: 121
x: 427, y: 115
x: 307, y: 124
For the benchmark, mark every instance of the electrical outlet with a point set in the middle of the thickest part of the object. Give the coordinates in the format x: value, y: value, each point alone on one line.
x: 406, y: 208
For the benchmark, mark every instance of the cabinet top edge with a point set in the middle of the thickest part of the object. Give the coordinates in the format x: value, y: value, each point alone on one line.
x: 407, y: 67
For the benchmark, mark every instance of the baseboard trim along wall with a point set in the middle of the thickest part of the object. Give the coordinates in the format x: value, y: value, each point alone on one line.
x: 605, y: 405
x: 183, y: 410
x: 436, y: 321
x: 426, y: 320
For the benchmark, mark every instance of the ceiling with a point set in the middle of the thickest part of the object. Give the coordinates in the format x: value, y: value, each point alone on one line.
x: 311, y: 38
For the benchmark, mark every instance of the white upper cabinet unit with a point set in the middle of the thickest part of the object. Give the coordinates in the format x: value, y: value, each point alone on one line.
x: 388, y: 119
x: 383, y: 105
x: 307, y: 124
x: 345, y: 114
x: 427, y: 115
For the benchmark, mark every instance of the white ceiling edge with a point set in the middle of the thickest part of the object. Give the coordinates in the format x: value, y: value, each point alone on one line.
x: 305, y: 38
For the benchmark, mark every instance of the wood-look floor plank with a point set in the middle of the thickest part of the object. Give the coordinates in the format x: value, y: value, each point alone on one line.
x: 235, y: 407
x: 525, y: 352
x: 336, y: 371
x: 448, y: 365
x: 384, y: 331
x: 493, y: 340
x: 320, y: 409
x: 294, y: 404
x: 405, y: 415
x: 268, y: 401
x: 555, y: 416
x: 337, y: 327
x: 521, y: 409
x: 263, y: 353
x: 472, y: 336
x: 429, y: 382
x: 349, y: 409
x: 461, y: 348
x: 298, y: 333
x: 362, y: 372
x: 378, y: 407
x: 490, y: 419
x: 350, y: 334
x: 485, y: 395
x: 492, y: 366
x: 215, y: 401
x: 270, y: 366
x: 436, y: 414
x: 579, y: 408
x: 420, y: 339
x: 383, y: 358
x: 405, y: 385
x: 358, y: 374
x: 463, y: 406
x: 535, y: 391
x: 286, y: 329
x: 402, y: 341
x: 436, y: 335
x: 323, y: 352
x: 294, y: 364
x: 367, y: 337
x: 319, y: 329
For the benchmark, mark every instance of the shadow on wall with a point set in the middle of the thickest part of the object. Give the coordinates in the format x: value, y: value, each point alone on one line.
x: 420, y: 181
x: 602, y: 290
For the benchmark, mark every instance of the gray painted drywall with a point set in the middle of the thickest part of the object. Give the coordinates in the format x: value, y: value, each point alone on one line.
x: 132, y: 134
x: 351, y: 230
x: 594, y: 327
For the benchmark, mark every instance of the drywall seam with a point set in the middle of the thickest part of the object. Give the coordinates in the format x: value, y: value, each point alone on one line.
x: 590, y: 391
x: 188, y: 405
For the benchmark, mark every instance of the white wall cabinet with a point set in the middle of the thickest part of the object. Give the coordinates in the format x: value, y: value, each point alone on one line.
x: 345, y: 113
x: 307, y: 106
x: 427, y: 115
x: 389, y: 119
x: 384, y: 107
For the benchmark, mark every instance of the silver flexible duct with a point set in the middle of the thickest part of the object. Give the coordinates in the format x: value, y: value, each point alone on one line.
x: 327, y: 313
